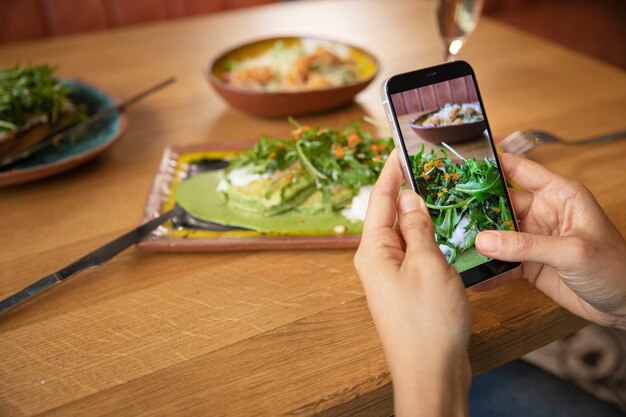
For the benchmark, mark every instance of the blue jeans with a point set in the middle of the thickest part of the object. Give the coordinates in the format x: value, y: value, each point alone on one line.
x: 521, y: 389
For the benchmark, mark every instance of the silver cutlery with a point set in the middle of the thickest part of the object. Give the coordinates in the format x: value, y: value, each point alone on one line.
x: 91, y: 260
x: 522, y: 141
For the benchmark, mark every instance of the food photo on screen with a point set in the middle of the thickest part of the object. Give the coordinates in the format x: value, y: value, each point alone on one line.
x: 454, y: 166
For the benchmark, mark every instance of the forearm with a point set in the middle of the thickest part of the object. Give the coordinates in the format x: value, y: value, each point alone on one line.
x: 432, y: 386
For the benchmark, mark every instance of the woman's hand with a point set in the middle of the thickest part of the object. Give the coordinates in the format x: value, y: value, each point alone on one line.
x: 570, y: 249
x: 417, y: 300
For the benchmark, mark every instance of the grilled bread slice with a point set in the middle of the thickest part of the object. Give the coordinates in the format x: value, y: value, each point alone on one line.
x: 270, y: 196
x: 36, y: 129
x: 315, y: 203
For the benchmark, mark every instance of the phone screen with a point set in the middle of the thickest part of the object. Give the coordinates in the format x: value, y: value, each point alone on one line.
x: 441, y: 128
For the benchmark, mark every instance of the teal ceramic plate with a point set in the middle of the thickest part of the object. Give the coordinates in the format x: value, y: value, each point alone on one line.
x: 71, y: 153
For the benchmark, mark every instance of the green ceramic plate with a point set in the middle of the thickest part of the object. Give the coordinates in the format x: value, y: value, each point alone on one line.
x: 71, y: 153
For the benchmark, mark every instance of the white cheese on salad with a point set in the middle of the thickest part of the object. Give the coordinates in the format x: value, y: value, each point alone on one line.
x: 458, y: 235
x: 238, y: 178
x: 358, y: 207
x: 446, y: 250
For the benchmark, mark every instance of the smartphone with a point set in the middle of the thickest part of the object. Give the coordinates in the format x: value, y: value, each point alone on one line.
x: 446, y: 149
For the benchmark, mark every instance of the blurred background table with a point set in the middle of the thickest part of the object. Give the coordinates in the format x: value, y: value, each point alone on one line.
x: 257, y: 333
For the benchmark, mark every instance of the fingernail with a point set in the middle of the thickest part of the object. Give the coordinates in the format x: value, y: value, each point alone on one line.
x: 489, y: 241
x: 408, y: 201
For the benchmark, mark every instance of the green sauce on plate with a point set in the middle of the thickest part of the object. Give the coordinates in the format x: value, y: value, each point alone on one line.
x: 198, y: 195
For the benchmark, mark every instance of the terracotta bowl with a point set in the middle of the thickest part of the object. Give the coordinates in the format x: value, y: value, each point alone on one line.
x: 448, y: 134
x: 288, y: 103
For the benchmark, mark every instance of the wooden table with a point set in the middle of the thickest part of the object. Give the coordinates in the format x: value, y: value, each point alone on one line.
x: 257, y: 333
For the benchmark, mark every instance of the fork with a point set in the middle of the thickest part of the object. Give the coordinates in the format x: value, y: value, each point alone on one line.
x: 522, y: 141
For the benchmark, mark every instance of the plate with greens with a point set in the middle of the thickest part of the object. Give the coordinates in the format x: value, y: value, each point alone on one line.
x: 308, y: 189
x: 32, y: 102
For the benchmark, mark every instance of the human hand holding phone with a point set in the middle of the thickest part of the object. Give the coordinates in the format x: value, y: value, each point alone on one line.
x: 444, y: 142
x: 417, y: 300
x: 570, y: 249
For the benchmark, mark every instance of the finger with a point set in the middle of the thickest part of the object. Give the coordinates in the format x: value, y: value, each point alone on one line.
x: 415, y: 223
x: 527, y: 174
x: 522, y: 201
x: 381, y: 209
x: 520, y: 247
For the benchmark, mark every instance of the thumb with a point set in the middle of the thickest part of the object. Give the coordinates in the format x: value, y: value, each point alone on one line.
x: 414, y: 222
x: 519, y: 247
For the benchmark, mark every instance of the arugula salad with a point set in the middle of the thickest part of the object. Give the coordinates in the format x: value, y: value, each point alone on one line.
x: 32, y: 103
x: 463, y: 198
x: 30, y: 94
x: 313, y: 170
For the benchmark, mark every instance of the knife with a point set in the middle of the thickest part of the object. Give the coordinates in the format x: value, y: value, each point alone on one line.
x: 94, y: 259
x: 57, y: 134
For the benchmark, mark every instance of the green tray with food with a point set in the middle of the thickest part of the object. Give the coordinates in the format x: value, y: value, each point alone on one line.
x: 306, y: 190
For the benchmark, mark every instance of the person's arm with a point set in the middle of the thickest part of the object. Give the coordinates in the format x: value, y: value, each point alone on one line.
x: 417, y: 300
x: 570, y: 249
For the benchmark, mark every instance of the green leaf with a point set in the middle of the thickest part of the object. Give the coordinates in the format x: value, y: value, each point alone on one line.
x: 332, y: 157
x: 451, y: 219
x: 30, y: 90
